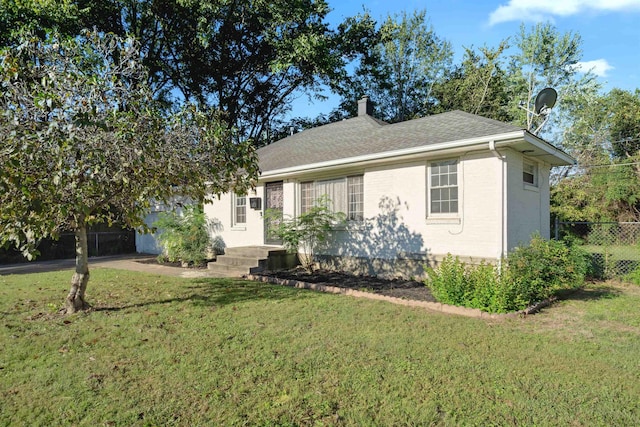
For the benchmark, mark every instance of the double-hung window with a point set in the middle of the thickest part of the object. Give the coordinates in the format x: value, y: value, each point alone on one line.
x: 346, y: 194
x: 239, y: 210
x: 443, y: 187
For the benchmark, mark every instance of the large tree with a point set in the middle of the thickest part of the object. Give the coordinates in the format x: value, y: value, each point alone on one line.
x: 498, y: 82
x: 625, y: 123
x: 400, y: 70
x: 247, y: 58
x: 478, y: 85
x: 604, y: 135
x: 544, y: 57
x: 84, y: 142
x: 36, y: 15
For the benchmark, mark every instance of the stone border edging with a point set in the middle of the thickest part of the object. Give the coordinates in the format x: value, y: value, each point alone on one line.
x: 433, y: 306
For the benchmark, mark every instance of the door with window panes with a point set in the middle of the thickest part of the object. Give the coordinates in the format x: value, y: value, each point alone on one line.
x: 273, y: 201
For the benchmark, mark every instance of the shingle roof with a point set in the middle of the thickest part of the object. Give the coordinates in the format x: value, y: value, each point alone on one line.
x: 365, y: 135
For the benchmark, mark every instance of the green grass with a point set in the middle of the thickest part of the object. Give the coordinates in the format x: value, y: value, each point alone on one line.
x: 615, y: 252
x: 170, y: 351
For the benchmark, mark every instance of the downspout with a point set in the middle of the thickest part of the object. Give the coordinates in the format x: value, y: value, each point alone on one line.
x: 503, y: 199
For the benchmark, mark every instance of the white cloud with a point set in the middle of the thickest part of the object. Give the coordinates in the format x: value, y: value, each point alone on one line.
x: 599, y: 67
x: 539, y: 10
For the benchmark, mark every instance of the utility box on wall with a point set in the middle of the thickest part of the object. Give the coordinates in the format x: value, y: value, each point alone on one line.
x: 255, y: 203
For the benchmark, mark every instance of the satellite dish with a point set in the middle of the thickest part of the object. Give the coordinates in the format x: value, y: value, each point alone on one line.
x: 543, y: 104
x: 545, y: 101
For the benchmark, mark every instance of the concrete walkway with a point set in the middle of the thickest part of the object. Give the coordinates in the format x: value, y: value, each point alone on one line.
x: 123, y: 262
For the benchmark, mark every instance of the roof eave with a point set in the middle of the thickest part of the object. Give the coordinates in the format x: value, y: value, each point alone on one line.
x: 451, y: 147
x: 554, y: 155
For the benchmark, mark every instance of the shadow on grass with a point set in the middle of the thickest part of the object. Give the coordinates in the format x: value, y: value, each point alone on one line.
x: 592, y: 292
x: 220, y: 292
x: 228, y: 291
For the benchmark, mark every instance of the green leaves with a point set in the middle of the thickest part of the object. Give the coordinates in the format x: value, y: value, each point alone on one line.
x: 604, y: 135
x: 399, y: 72
x: 530, y: 274
x: 305, y: 233
x: 86, y: 142
x: 544, y: 58
x: 478, y: 85
x: 184, y: 235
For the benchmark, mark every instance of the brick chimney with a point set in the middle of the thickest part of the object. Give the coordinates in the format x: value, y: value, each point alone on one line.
x: 365, y: 107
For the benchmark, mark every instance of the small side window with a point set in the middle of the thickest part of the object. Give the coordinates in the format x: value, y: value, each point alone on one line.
x: 240, y: 210
x: 530, y: 173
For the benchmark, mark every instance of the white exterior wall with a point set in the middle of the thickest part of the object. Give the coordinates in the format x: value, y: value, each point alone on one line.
x: 528, y: 206
x: 398, y: 224
x: 147, y: 243
x: 290, y: 195
x: 252, y: 232
x: 478, y: 233
x: 394, y: 209
x: 492, y: 216
x: 221, y: 213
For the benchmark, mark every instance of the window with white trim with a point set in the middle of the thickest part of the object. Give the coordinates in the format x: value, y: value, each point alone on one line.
x: 346, y: 195
x: 443, y: 187
x: 355, y: 195
x: 306, y: 196
x: 530, y: 173
x: 239, y: 210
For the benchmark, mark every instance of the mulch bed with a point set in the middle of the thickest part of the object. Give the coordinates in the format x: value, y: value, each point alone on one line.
x: 399, y: 288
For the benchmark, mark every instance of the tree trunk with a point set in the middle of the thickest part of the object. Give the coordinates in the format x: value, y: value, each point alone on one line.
x: 75, y: 300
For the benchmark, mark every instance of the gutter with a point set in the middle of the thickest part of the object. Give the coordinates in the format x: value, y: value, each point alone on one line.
x: 503, y: 198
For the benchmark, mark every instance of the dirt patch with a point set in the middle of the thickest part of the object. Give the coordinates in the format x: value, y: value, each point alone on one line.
x: 399, y: 288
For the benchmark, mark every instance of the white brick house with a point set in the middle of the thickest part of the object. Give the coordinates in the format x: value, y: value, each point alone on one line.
x: 413, y: 191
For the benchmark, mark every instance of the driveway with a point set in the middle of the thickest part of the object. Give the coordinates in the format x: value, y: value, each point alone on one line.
x: 133, y: 262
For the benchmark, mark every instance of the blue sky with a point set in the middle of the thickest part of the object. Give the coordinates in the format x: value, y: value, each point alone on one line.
x: 610, y: 31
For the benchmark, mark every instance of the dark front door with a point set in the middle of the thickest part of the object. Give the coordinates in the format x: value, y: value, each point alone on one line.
x: 273, y: 200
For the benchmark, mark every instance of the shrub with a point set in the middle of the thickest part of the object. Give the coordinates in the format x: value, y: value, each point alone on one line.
x: 633, y: 277
x: 530, y: 274
x: 184, y: 236
x: 545, y: 266
x: 449, y: 282
x: 484, y: 284
x: 475, y: 286
x: 305, y: 233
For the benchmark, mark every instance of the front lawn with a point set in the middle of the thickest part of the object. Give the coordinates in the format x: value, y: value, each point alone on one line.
x: 170, y: 351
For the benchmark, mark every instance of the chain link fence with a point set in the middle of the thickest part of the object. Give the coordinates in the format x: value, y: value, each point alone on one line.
x: 615, y: 246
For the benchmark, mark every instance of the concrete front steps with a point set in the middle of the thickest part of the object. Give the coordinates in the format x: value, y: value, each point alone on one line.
x: 240, y: 261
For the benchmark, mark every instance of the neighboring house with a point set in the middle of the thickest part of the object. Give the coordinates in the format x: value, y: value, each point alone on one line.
x: 147, y: 243
x: 413, y: 191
